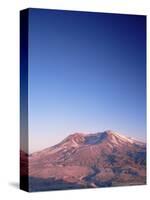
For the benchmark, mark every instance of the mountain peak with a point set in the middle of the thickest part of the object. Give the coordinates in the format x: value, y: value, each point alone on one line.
x: 107, y: 136
x: 77, y: 134
x: 92, y: 159
x: 74, y: 139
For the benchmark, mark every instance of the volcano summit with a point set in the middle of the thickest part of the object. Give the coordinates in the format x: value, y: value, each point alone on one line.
x: 88, y: 160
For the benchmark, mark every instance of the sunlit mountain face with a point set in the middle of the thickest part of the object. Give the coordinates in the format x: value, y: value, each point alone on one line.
x: 88, y: 161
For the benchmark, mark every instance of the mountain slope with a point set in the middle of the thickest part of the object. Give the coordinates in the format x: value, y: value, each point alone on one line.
x: 91, y: 160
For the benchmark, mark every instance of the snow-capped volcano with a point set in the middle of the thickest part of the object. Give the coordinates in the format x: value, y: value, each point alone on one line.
x: 81, y: 140
x: 90, y: 160
x: 77, y: 139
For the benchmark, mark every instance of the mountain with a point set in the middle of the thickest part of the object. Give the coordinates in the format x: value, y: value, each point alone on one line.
x: 23, y: 163
x: 89, y: 160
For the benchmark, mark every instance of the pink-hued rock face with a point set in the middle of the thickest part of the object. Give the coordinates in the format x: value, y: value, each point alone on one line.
x: 91, y: 160
x: 23, y: 163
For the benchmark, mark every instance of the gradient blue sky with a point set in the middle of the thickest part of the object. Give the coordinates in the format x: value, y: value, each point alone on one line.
x: 87, y: 73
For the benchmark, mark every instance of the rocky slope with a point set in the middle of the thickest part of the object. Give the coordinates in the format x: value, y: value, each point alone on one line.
x: 89, y: 160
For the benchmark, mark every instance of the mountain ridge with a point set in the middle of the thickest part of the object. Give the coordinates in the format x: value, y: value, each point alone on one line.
x: 76, y: 139
x: 80, y: 137
x: 90, y: 160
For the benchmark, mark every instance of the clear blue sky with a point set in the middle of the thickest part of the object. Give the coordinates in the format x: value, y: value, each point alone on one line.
x: 86, y: 74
